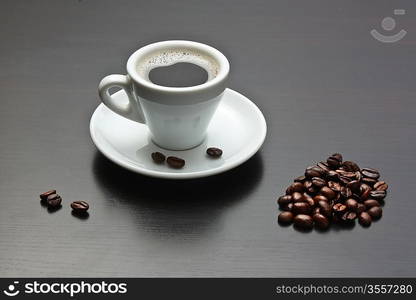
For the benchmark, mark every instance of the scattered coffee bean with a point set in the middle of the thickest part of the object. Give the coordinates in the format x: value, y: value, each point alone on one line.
x: 364, y: 219
x: 285, y: 217
x: 370, y: 173
x: 350, y: 166
x: 284, y: 200
x: 303, y: 221
x: 80, y: 206
x: 369, y: 181
x: 335, y: 186
x: 354, y: 186
x: 175, y: 162
x: 332, y: 175
x: 158, y: 157
x: 325, y: 208
x: 339, y: 208
x: 360, y: 208
x: 365, y: 191
x: 349, y: 216
x: 345, y: 192
x: 214, y: 152
x: 295, y: 187
x: 301, y: 208
x: 318, y: 182
x: 321, y: 221
x: 45, y: 195
x: 334, y: 161
x: 328, y: 193
x: 318, y: 198
x: 371, y: 203
x: 375, y: 212
x: 381, y: 186
x: 324, y: 166
x: 351, y: 204
x: 287, y: 207
x: 333, y: 192
x: 300, y: 179
x: 54, y: 200
x: 378, y: 195
x: 314, y: 171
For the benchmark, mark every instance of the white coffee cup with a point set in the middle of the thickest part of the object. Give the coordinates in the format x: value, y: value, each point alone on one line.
x: 177, y: 117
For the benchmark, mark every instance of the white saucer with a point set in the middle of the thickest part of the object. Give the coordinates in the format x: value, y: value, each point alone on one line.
x: 238, y: 128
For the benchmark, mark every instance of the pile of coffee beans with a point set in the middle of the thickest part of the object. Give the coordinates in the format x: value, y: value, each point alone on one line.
x: 179, y: 163
x: 53, y: 202
x: 334, y: 191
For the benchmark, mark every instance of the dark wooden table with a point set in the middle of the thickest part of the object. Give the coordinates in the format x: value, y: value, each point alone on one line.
x: 322, y: 81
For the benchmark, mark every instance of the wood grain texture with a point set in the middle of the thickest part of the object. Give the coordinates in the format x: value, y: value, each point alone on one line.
x: 323, y: 83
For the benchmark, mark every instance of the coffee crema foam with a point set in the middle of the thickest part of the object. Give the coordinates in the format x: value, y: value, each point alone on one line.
x: 172, y: 56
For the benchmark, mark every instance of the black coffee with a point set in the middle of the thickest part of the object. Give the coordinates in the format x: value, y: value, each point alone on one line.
x: 178, y: 75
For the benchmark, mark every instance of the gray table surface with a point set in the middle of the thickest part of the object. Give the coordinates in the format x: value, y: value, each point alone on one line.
x: 323, y: 83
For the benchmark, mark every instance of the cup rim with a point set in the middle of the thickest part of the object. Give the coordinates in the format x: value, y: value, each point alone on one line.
x: 224, y: 66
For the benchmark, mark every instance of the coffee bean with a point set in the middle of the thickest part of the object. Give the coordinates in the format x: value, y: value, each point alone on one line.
x: 375, y: 212
x: 364, y: 219
x: 378, y: 195
x: 365, y: 191
x: 381, y: 186
x: 344, y: 180
x: 324, y: 166
x: 175, y: 162
x: 328, y: 193
x: 338, y: 156
x: 284, y: 200
x: 158, y: 157
x: 54, y: 200
x: 370, y: 173
x: 316, y: 210
x: 80, y: 206
x: 358, y: 175
x: 321, y: 221
x: 45, y: 195
x: 314, y: 171
x: 287, y: 207
x: 349, y: 216
x: 318, y: 182
x: 339, y: 208
x: 300, y: 179
x: 348, y: 175
x: 360, y: 208
x: 332, y: 175
x: 368, y: 181
x: 297, y: 197
x: 345, y: 192
x: 301, y: 208
x: 318, y: 198
x: 307, y: 184
x: 312, y: 190
x: 354, y: 186
x: 325, y: 208
x: 350, y: 166
x: 295, y: 187
x: 303, y: 221
x: 351, y: 204
x: 285, y: 217
x: 335, y: 186
x: 371, y: 203
x: 214, y: 152
x: 334, y: 161
x: 308, y: 199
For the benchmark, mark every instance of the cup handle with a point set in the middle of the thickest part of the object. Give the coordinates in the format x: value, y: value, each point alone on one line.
x: 130, y: 110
